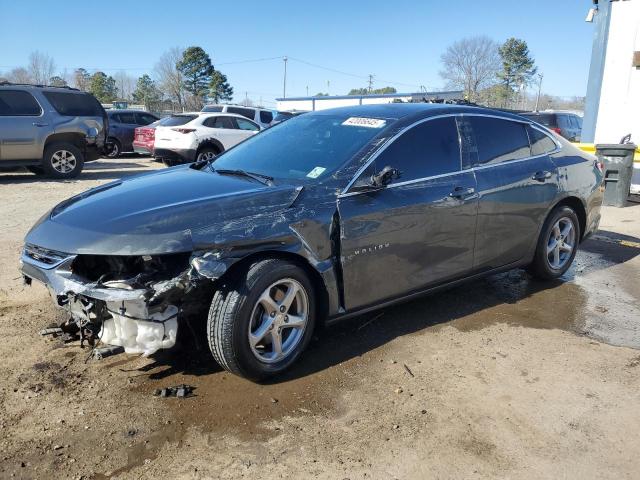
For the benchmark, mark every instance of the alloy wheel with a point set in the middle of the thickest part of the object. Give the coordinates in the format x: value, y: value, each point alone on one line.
x: 561, y: 242
x: 206, y: 156
x: 63, y: 161
x: 278, y: 320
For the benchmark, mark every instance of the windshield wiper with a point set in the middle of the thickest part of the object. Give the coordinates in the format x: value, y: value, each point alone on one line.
x: 264, y: 179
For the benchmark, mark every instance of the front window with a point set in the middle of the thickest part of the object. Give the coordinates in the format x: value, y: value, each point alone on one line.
x: 305, y: 147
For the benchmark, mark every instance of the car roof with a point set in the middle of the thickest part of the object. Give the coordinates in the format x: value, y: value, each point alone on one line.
x: 127, y: 110
x: 409, y: 111
x: 223, y: 114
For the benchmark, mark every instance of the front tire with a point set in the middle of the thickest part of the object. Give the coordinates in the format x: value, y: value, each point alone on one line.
x: 260, y: 322
x: 557, y: 244
x: 116, y: 148
x: 62, y: 160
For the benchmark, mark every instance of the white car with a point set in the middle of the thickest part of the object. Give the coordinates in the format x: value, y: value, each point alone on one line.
x: 189, y: 137
x: 261, y: 116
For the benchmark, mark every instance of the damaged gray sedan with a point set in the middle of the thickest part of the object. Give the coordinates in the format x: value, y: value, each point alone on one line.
x: 325, y: 216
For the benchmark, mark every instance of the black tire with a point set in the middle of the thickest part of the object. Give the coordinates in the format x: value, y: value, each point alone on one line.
x: 36, y: 170
x: 541, y: 266
x: 207, y: 150
x: 52, y: 158
x: 230, y: 317
x: 116, y: 148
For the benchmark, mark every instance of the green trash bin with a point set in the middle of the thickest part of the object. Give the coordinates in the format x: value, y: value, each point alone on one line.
x: 618, y: 170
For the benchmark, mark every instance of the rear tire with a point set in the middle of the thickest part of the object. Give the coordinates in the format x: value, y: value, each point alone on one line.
x: 207, y: 154
x: 261, y: 321
x: 557, y: 244
x: 62, y: 160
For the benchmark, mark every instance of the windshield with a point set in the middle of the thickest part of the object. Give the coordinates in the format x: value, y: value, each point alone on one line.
x: 308, y: 146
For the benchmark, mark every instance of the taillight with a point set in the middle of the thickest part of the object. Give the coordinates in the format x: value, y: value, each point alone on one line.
x: 600, y: 165
x: 557, y: 130
x: 184, y: 130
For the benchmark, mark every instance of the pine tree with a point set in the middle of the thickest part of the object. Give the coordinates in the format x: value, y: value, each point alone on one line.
x: 219, y: 88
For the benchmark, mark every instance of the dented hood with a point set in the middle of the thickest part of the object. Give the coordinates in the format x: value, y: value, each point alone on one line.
x: 157, y: 213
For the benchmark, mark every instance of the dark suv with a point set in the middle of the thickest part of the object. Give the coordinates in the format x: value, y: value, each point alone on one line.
x: 567, y: 124
x: 122, y: 126
x: 50, y: 130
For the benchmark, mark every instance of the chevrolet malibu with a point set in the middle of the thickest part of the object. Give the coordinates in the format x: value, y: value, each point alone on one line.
x: 323, y: 217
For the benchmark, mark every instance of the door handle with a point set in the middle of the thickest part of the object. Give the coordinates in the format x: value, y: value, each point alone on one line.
x: 541, y: 176
x: 36, y: 124
x: 462, y: 193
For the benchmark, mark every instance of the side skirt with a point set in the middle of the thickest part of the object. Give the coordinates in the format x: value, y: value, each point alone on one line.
x: 427, y: 291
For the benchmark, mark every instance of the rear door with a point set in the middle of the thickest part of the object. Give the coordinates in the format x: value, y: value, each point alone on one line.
x: 515, y: 186
x: 24, y: 126
x: 420, y: 229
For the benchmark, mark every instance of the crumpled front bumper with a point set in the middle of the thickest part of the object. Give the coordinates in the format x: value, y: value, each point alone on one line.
x: 131, y: 322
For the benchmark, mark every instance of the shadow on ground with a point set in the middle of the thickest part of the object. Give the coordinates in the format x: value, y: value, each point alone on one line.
x: 103, y: 169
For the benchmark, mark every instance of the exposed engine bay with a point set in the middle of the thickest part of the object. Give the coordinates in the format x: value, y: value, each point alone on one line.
x: 131, y: 302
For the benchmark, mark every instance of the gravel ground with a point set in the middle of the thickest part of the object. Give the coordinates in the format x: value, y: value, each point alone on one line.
x: 501, y: 378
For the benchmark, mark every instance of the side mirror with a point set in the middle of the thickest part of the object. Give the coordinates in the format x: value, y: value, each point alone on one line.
x: 377, y: 181
x: 384, y: 177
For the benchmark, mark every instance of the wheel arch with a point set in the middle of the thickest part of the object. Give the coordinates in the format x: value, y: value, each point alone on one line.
x: 320, y: 287
x: 210, y: 142
x: 76, y: 139
x: 577, y: 206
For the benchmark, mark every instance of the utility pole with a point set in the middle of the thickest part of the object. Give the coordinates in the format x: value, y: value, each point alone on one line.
x: 284, y: 84
x: 540, y: 76
x: 370, y: 83
x: 307, y: 90
x: 328, y: 83
x: 246, y: 98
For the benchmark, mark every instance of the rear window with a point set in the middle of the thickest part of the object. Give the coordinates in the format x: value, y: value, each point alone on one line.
x: 18, y: 103
x: 74, y: 104
x: 245, y: 112
x: 175, y: 120
x: 540, y: 142
x: 499, y: 140
x: 266, y: 116
x: 548, y: 120
x: 212, y: 108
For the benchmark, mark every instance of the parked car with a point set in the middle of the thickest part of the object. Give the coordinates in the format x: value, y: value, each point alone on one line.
x: 282, y: 116
x: 122, y: 126
x: 325, y: 216
x: 190, y: 137
x: 50, y: 130
x: 567, y: 124
x: 261, y: 116
x: 144, y: 137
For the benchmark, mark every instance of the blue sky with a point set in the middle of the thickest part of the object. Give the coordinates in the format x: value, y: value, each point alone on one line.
x: 399, y: 41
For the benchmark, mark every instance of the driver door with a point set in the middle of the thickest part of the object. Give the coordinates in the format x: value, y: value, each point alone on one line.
x: 417, y: 231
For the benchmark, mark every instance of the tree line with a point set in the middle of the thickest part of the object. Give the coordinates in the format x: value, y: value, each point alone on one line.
x: 182, y: 79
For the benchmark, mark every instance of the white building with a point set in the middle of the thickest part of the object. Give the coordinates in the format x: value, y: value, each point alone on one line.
x: 308, y: 104
x: 612, y: 108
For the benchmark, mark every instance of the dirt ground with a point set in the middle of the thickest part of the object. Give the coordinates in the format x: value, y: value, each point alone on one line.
x: 500, y: 378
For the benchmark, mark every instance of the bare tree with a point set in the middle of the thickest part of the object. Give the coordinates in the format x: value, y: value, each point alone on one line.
x: 126, y: 85
x: 471, y: 64
x: 170, y: 79
x: 19, y: 75
x: 41, y: 67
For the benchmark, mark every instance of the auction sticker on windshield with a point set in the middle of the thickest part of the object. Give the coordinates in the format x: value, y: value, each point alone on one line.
x: 364, y: 122
x: 316, y: 172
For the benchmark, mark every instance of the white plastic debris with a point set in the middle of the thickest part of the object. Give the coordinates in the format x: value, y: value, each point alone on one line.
x: 140, y: 336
